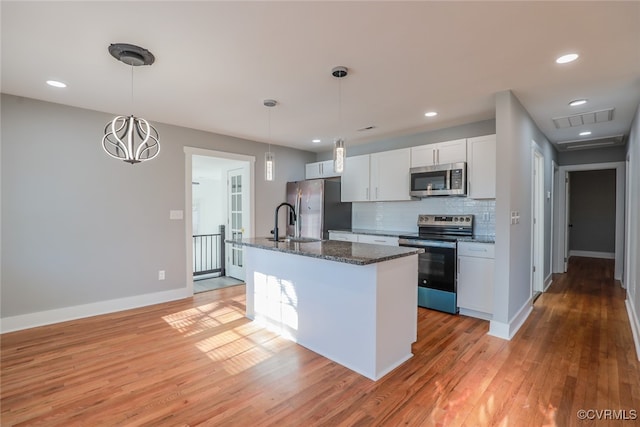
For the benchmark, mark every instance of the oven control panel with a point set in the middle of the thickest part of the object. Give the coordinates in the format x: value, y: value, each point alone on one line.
x: 445, y: 220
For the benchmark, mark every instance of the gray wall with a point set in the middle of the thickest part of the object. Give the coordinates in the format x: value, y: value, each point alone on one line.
x: 515, y: 133
x: 485, y: 127
x: 593, y: 155
x: 79, y: 227
x: 632, y: 271
x: 592, y: 207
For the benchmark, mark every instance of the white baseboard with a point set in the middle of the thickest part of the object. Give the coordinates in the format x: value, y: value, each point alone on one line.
x: 507, y: 331
x: 635, y: 325
x: 476, y: 314
x: 41, y: 318
x: 547, y: 282
x: 593, y: 254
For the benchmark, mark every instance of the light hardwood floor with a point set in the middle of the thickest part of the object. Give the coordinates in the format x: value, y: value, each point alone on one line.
x: 200, y: 362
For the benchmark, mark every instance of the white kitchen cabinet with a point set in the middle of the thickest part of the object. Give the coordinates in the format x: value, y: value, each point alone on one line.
x: 345, y: 237
x: 475, y: 279
x: 380, y: 176
x: 355, y: 179
x: 481, y: 167
x: 378, y: 240
x: 439, y: 153
x: 363, y: 238
x: 390, y: 179
x: 322, y: 169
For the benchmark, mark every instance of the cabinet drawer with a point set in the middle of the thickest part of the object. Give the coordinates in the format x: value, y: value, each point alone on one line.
x: 479, y: 250
x: 345, y: 237
x: 378, y: 240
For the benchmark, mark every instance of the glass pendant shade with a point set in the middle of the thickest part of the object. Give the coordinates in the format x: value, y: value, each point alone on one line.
x: 269, y: 166
x: 339, y: 155
x: 131, y: 139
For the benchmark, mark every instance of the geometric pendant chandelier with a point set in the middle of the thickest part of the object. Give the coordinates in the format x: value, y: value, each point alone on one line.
x: 129, y: 138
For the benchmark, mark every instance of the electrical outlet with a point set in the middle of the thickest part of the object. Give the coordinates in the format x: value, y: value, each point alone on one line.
x: 161, y: 275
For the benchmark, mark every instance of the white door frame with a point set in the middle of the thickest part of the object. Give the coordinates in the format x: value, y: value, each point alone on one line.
x: 553, y: 225
x: 188, y: 217
x: 620, y: 213
x: 537, y: 219
x: 628, y: 267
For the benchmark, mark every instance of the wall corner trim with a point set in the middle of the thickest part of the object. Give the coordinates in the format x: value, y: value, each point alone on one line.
x: 635, y: 325
x: 48, y: 317
x: 506, y: 331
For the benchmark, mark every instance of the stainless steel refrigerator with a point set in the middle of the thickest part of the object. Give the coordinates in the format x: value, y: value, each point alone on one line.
x: 318, y: 208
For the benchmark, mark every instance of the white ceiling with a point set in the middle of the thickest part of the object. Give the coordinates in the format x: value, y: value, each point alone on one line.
x: 217, y: 61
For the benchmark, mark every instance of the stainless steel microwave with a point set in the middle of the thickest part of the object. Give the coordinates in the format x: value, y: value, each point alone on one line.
x: 439, y: 180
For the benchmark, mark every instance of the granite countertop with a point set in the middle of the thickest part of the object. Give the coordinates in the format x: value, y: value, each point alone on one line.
x: 333, y: 250
x: 372, y: 232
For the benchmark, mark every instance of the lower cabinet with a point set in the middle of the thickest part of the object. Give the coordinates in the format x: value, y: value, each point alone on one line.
x: 345, y: 237
x: 364, y: 238
x: 377, y: 240
x: 475, y: 279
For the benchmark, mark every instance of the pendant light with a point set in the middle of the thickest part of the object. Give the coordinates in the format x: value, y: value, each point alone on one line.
x: 269, y: 158
x: 339, y: 149
x: 129, y: 138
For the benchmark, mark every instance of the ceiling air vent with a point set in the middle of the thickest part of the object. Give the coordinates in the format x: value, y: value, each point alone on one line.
x: 583, y: 119
x: 366, y: 128
x: 581, y: 144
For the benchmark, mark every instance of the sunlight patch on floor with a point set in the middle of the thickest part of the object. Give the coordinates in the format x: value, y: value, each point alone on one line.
x: 204, y: 317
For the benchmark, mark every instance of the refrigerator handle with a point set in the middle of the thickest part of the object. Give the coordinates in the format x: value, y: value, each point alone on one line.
x: 297, y: 225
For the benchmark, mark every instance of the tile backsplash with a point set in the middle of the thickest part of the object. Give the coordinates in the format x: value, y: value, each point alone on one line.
x: 402, y: 216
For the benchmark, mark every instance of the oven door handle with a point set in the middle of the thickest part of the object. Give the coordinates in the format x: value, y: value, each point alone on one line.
x: 426, y: 243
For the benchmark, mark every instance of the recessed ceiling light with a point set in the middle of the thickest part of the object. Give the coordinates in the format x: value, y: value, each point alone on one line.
x: 431, y: 114
x: 577, y: 102
x: 56, y: 83
x: 316, y: 141
x: 567, y: 58
x: 585, y: 133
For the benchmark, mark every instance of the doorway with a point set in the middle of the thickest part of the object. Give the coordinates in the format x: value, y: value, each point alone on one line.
x: 219, y: 202
x: 563, y: 214
x: 537, y: 223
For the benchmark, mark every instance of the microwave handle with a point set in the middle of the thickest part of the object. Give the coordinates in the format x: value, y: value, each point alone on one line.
x: 448, y: 179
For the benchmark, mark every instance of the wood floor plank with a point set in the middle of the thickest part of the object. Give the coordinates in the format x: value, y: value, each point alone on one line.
x: 199, y: 361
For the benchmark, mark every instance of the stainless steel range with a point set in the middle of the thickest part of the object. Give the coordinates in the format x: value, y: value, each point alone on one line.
x: 438, y: 236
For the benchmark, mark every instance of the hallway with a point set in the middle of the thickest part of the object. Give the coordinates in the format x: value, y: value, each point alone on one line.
x: 199, y: 361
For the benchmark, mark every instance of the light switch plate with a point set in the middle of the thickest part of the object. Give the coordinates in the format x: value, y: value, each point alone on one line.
x: 176, y: 214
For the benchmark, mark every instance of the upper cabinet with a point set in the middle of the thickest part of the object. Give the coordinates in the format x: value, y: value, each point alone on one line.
x: 320, y: 170
x: 355, y: 179
x: 390, y: 179
x: 439, y: 153
x: 377, y: 177
x: 481, y: 167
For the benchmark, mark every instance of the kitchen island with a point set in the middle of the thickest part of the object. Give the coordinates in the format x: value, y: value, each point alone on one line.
x: 354, y: 303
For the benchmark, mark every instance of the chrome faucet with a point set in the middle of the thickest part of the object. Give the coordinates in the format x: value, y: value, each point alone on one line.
x: 292, y: 218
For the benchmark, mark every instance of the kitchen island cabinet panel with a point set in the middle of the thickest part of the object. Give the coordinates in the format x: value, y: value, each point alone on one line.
x: 363, y: 317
